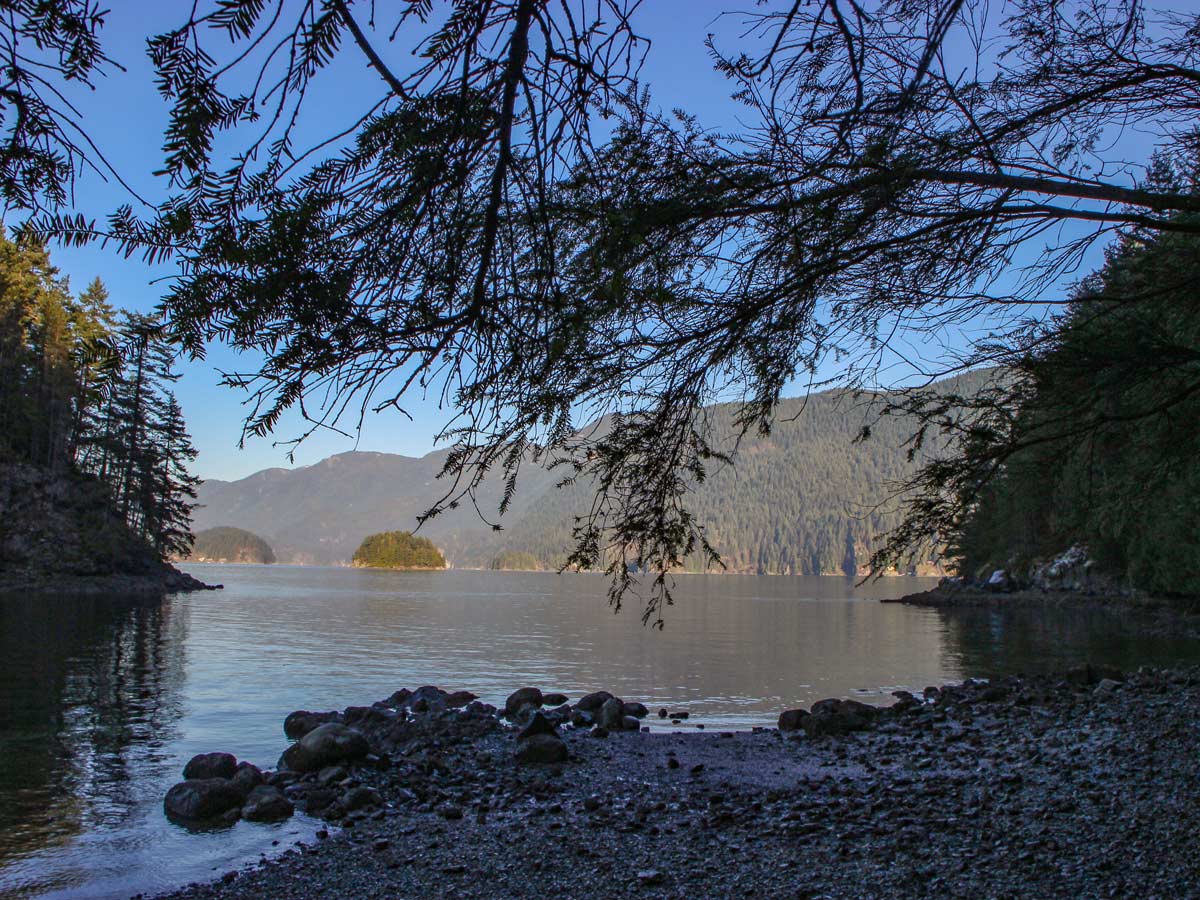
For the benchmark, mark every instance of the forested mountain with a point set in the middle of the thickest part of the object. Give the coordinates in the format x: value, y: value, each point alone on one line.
x: 805, y: 499
x: 235, y: 545
x: 86, y: 409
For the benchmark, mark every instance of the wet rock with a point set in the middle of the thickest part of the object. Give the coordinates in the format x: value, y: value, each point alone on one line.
x: 327, y: 744
x: 247, y: 777
x: 266, y: 804
x: 541, y: 748
x: 629, y: 723
x: 397, y: 698
x: 555, y: 699
x: 678, y: 714
x: 662, y: 713
x: 836, y: 716
x: 526, y: 696
x: 360, y: 798
x: 459, y: 699
x: 611, y: 715
x: 301, y: 722
x: 792, y: 719
x: 202, y: 798
x: 211, y: 765
x: 319, y: 799
x: 539, y: 724
x: 637, y: 710
x: 592, y: 702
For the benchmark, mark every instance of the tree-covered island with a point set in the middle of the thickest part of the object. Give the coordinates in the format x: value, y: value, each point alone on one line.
x: 232, y: 545
x: 398, y: 550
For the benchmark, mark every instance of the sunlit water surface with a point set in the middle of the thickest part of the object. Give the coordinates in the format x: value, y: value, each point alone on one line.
x: 102, y: 703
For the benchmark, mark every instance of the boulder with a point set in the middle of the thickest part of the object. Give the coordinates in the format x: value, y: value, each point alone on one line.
x: 836, y: 716
x: 637, y: 710
x: 247, y: 777
x: 593, y: 702
x: 539, y: 724
x: 792, y: 719
x: 555, y: 699
x: 211, y: 765
x: 327, y: 744
x: 266, y: 804
x: 301, y: 722
x: 611, y: 715
x: 526, y: 696
x: 629, y: 723
x: 459, y: 699
x: 541, y: 748
x: 202, y: 798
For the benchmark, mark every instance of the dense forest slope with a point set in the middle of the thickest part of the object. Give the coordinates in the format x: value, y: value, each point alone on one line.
x: 231, y: 545
x: 61, y: 530
x: 805, y: 499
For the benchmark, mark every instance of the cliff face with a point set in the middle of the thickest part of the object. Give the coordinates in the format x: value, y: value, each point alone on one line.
x: 57, y: 530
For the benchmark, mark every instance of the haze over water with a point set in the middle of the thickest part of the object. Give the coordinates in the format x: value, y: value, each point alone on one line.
x: 102, y: 703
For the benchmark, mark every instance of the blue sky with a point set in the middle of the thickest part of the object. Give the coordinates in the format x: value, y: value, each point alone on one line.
x: 125, y: 117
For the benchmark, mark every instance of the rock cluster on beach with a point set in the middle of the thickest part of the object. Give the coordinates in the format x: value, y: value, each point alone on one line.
x: 1084, y: 784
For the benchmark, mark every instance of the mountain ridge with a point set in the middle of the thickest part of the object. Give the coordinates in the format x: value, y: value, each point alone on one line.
x: 803, y: 499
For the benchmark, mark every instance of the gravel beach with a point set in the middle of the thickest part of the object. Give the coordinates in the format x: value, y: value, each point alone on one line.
x: 1082, y: 785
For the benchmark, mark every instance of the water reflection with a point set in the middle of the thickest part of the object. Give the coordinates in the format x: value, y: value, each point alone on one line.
x: 90, y: 693
x: 102, y: 703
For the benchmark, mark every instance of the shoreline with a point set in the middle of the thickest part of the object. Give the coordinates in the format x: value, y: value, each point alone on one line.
x: 1018, y: 787
x: 158, y: 584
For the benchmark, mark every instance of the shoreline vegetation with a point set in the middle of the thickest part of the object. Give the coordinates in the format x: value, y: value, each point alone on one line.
x: 971, y: 788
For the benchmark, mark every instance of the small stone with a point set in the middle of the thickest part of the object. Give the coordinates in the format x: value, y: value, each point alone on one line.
x: 381, y: 844
x: 662, y: 713
x: 672, y: 762
x: 650, y: 877
x: 450, y: 811
x: 599, y: 732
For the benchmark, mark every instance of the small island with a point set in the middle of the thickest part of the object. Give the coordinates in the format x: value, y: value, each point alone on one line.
x: 226, y: 544
x: 398, y: 550
x: 516, y: 561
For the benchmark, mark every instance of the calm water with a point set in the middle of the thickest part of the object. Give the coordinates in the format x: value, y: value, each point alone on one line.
x: 101, y: 704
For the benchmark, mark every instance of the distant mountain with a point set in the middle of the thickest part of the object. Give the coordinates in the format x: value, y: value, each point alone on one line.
x: 802, y: 500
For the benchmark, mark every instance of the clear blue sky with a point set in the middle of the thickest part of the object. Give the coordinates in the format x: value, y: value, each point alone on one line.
x: 126, y: 116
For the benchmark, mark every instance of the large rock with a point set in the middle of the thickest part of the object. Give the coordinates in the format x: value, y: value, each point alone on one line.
x: 792, y: 719
x: 211, y: 765
x: 539, y: 724
x: 611, y: 715
x: 541, y: 748
x: 301, y: 722
x: 328, y: 744
x: 593, y: 702
x: 202, y: 798
x: 520, y: 698
x: 266, y: 804
x: 836, y: 716
x: 247, y: 777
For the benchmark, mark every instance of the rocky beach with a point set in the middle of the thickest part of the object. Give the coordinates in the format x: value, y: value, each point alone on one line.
x: 1084, y: 784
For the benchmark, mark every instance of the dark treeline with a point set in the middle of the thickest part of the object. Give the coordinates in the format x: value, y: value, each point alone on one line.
x: 1102, y: 447
x: 86, y: 389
